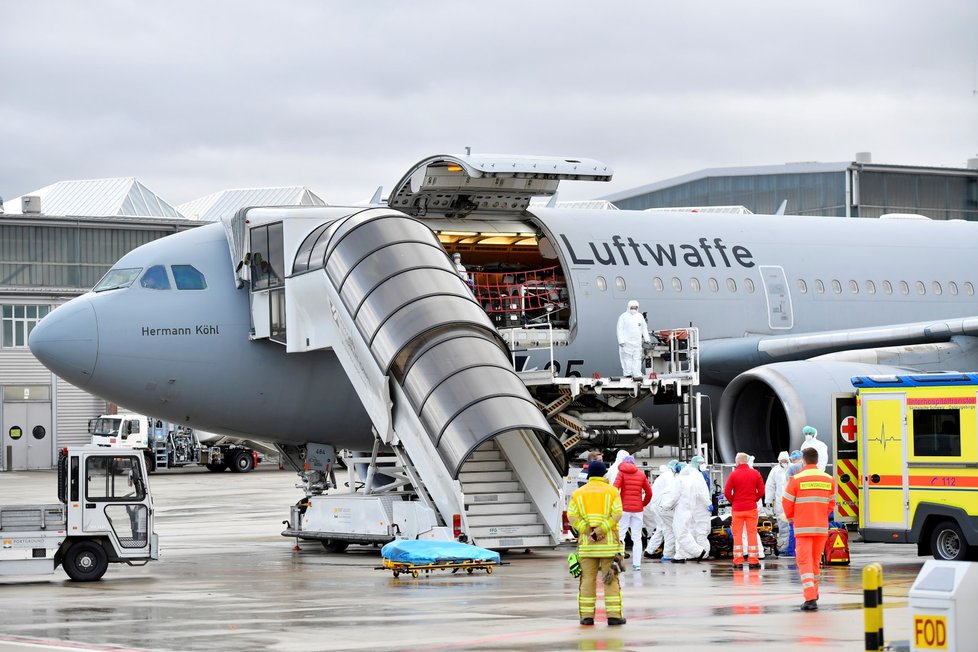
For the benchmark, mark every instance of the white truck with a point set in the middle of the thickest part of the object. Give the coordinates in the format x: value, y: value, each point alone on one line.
x: 166, y: 445
x: 105, y: 515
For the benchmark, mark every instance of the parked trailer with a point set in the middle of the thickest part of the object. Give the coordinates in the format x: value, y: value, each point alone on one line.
x: 105, y: 515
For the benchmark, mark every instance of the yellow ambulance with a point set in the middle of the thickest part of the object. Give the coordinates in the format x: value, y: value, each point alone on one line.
x: 917, y: 462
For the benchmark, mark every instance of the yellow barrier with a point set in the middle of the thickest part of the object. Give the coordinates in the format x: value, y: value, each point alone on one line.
x: 873, y: 606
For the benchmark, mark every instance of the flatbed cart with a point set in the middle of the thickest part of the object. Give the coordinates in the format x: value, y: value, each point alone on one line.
x: 416, y: 556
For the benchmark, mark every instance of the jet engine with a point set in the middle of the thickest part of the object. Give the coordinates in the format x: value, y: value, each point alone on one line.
x: 762, y: 411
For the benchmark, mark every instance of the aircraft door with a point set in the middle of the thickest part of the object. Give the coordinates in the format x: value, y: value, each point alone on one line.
x: 779, y: 314
x: 883, y: 442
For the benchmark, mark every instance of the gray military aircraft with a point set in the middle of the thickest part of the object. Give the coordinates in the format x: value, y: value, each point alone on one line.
x: 190, y: 327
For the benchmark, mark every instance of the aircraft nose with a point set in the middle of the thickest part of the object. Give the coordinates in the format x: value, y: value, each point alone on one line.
x: 66, y: 341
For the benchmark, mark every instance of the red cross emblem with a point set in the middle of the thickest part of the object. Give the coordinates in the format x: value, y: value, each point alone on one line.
x: 848, y: 429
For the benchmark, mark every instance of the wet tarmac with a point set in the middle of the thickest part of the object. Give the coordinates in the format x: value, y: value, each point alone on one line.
x: 227, y: 580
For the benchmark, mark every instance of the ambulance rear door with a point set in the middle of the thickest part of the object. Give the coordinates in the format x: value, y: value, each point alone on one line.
x: 882, y: 454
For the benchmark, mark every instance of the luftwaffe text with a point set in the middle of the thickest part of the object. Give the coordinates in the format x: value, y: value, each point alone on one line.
x: 199, y: 329
x: 626, y: 251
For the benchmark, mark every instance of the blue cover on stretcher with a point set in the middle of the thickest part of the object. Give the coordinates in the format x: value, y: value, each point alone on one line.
x: 422, y: 552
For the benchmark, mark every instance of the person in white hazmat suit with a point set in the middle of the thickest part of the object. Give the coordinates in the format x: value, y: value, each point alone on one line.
x: 632, y: 332
x: 613, y: 469
x: 702, y: 518
x: 811, y: 441
x: 665, y: 494
x: 777, y: 479
x: 693, y: 498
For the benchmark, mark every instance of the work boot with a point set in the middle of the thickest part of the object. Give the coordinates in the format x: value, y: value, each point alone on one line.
x: 587, y: 621
x: 755, y: 565
x: 810, y: 605
x: 615, y: 621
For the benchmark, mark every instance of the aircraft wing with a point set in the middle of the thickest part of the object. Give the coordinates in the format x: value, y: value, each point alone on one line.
x: 721, y: 360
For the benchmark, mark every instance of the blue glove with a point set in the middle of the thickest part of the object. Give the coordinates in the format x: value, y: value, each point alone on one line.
x: 710, y: 509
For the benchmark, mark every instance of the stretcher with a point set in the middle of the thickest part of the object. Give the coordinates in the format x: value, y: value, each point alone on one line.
x: 416, y: 557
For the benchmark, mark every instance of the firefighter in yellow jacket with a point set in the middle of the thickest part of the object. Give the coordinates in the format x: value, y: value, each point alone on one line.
x: 594, y: 512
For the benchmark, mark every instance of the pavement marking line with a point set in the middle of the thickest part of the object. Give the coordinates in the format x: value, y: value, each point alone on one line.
x: 53, y: 644
x: 571, y: 627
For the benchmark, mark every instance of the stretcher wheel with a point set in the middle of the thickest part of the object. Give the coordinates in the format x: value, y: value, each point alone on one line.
x: 469, y: 570
x: 396, y: 573
x: 489, y: 570
x: 414, y: 573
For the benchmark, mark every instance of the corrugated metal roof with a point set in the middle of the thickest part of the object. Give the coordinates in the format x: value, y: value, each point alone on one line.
x: 228, y: 202
x: 787, y: 168
x: 122, y: 196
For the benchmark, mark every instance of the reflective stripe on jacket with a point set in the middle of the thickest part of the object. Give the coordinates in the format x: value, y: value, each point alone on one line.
x: 808, y: 500
x: 596, y: 506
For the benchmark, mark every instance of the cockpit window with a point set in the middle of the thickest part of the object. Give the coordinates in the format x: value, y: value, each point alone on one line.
x: 155, y: 278
x: 117, y: 278
x: 187, y: 277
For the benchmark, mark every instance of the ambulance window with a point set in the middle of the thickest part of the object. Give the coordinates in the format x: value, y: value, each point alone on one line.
x: 155, y: 278
x: 657, y: 284
x: 952, y: 287
x: 937, y: 433
x: 802, y: 286
x: 870, y: 287
x: 187, y: 277
x: 887, y: 287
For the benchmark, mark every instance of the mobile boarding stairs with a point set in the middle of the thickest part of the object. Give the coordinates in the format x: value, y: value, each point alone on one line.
x: 461, y: 449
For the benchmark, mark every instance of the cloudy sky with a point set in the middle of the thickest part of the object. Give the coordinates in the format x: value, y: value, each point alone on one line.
x: 193, y: 96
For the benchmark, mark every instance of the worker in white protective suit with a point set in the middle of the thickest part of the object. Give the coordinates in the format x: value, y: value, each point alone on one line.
x: 703, y: 518
x: 632, y: 332
x: 693, y: 498
x: 613, y: 470
x: 665, y: 494
x: 777, y: 479
x: 811, y: 441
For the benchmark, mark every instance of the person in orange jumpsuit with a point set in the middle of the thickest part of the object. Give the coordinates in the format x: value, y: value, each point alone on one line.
x: 808, y: 500
x: 744, y: 488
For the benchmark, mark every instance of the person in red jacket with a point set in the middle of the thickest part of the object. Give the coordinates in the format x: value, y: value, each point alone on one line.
x: 743, y: 489
x: 808, y: 500
x: 636, y: 493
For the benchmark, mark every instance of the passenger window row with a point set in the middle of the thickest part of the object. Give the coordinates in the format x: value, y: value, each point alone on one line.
x: 834, y: 286
x: 903, y: 288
